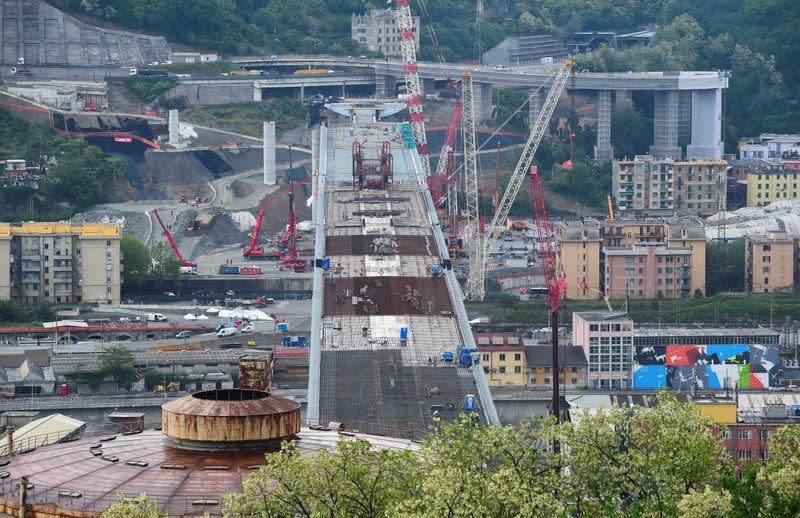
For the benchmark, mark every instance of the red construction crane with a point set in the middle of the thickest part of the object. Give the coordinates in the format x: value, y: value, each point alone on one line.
x: 186, y: 266
x: 444, y: 171
x: 256, y: 251
x: 553, y: 273
x: 293, y: 262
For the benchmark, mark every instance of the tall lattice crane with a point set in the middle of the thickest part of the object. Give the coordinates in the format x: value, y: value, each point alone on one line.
x: 474, y: 290
x: 409, y: 52
x: 553, y: 273
x: 475, y: 285
x: 438, y: 182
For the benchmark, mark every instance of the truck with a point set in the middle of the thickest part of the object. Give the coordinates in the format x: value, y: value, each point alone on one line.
x: 156, y: 317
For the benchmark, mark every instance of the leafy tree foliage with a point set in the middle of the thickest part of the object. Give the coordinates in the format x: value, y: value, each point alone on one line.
x: 80, y: 175
x: 135, y: 507
x: 117, y: 362
x: 12, y: 311
x: 136, y: 258
x: 164, y: 263
x: 725, y: 266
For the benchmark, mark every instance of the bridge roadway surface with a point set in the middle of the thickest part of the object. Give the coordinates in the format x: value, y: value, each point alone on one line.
x: 693, y: 80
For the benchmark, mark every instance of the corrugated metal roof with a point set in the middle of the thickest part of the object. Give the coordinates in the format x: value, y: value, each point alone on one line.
x: 41, y: 432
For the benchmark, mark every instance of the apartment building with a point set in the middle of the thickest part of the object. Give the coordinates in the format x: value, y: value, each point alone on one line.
x: 578, y: 246
x: 773, y: 183
x: 645, y: 185
x: 60, y: 263
x: 572, y: 367
x: 579, y: 249
x: 503, y: 358
x: 607, y: 342
x: 644, y: 270
x: 769, y: 262
x: 378, y: 30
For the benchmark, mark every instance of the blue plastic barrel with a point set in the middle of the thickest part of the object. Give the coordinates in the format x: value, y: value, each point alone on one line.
x: 403, y: 333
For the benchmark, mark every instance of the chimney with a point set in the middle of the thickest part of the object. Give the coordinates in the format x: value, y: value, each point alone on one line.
x: 255, y: 372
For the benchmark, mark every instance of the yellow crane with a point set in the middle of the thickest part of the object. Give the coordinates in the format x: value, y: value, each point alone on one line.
x: 610, y: 208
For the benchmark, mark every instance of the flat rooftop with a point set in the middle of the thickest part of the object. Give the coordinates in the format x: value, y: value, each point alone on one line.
x: 657, y: 332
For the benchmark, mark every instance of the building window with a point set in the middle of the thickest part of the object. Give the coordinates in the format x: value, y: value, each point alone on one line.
x: 547, y: 381
x: 744, y: 454
x: 765, y: 434
x: 502, y: 370
x: 745, y: 434
x: 517, y: 370
x: 486, y: 357
x: 502, y: 357
x: 727, y: 434
x: 517, y: 356
x: 593, y: 327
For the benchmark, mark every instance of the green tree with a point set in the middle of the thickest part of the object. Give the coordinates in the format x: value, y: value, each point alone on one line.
x: 631, y: 132
x: 165, y: 265
x: 724, y: 266
x: 117, y: 362
x: 133, y: 507
x: 81, y: 174
x: 136, y: 260
x: 627, y: 462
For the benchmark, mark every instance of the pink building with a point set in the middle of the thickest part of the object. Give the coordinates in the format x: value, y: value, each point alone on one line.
x: 648, y: 268
x: 607, y: 342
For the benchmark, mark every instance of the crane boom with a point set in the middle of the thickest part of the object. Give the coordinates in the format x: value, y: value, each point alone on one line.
x: 257, y: 230
x: 183, y: 261
x: 515, y: 182
x: 553, y: 273
x: 409, y: 52
x: 475, y: 284
x: 437, y: 182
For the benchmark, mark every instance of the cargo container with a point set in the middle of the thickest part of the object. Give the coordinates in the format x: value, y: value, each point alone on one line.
x: 250, y: 270
x: 228, y: 270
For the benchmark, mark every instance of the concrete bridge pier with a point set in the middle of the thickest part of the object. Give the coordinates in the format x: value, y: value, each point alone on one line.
x: 603, y: 151
x: 665, y: 125
x: 706, y: 140
x: 428, y: 86
x: 385, y: 86
x: 534, y: 107
x: 482, y: 93
x: 622, y: 98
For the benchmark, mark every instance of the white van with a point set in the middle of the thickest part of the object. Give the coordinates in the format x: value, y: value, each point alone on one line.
x: 226, y: 331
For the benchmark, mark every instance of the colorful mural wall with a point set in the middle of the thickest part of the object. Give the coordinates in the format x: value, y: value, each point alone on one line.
x: 706, y: 366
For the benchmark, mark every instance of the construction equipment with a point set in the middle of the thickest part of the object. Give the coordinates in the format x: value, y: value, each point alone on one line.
x: 186, y: 267
x: 475, y: 282
x: 256, y: 251
x: 408, y: 51
x: 473, y: 289
x: 292, y: 261
x: 496, y: 193
x: 610, y: 207
x: 263, y: 301
x: 553, y: 274
x: 173, y: 386
x: 89, y: 107
x: 446, y: 164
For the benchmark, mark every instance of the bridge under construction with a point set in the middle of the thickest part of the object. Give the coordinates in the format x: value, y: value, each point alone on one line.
x: 391, y: 347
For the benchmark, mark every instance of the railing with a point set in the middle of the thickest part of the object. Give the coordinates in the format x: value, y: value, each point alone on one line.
x: 96, y: 502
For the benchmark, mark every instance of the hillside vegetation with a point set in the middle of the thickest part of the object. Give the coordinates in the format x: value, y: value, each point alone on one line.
x: 759, y: 41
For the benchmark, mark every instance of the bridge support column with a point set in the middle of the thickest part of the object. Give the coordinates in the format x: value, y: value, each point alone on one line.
x: 385, y: 86
x: 302, y: 92
x: 623, y: 98
x: 428, y: 86
x: 269, y: 153
x: 706, y: 124
x: 684, y: 117
x: 665, y: 125
x: 534, y: 107
x: 482, y: 93
x: 603, y: 151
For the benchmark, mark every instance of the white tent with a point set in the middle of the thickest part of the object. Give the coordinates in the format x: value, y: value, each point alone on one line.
x: 212, y: 310
x: 202, y: 317
x: 189, y: 316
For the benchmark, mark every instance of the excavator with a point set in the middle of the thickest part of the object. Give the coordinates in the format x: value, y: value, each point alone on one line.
x: 186, y: 267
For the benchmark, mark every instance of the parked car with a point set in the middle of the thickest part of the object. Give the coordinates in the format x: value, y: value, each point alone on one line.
x: 184, y: 334
x: 247, y: 328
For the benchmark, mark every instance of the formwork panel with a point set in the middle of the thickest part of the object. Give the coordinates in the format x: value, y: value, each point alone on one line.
x: 387, y: 296
x: 378, y: 245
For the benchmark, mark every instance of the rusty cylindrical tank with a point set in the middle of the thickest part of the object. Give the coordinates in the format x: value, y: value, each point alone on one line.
x: 220, y: 418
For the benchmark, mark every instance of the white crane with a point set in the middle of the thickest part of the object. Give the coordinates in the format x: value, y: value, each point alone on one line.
x: 474, y: 289
x: 475, y: 285
x: 409, y: 52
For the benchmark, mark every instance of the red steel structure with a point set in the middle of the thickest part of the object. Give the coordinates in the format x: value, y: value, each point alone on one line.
x: 553, y: 273
x: 184, y: 262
